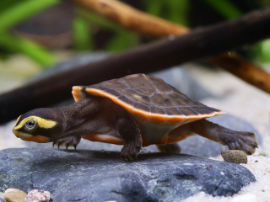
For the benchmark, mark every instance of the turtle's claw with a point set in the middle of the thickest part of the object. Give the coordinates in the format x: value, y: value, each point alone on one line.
x: 68, y: 141
x: 58, y: 143
x: 67, y: 145
x: 244, y: 141
x: 130, y: 152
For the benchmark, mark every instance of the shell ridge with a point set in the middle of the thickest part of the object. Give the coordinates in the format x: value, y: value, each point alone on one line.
x: 159, y: 101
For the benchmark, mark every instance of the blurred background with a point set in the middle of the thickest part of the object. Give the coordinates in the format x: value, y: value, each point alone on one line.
x: 35, y: 35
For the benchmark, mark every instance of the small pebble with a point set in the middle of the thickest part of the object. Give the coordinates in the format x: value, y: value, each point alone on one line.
x: 38, y: 196
x: 14, y: 195
x: 234, y: 156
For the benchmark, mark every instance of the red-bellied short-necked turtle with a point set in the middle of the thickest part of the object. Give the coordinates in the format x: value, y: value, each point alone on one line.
x: 134, y: 111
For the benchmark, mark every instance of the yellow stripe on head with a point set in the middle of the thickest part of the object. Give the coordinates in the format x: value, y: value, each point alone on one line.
x: 29, y: 137
x: 18, y: 119
x: 42, y: 123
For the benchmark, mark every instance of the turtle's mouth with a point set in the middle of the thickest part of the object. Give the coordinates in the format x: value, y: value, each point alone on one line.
x: 29, y: 137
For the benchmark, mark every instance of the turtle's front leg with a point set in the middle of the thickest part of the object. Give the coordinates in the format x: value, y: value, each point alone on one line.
x: 239, y: 140
x: 132, y: 137
x: 68, y: 141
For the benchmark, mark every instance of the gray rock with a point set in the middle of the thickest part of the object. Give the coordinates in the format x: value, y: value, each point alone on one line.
x: 102, y: 176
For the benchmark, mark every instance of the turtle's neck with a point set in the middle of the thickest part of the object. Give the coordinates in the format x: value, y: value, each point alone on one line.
x: 77, y: 113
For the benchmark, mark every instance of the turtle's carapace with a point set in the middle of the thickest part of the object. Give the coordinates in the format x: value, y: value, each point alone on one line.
x: 136, y: 110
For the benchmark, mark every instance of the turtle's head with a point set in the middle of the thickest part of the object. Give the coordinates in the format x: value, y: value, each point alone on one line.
x: 39, y: 125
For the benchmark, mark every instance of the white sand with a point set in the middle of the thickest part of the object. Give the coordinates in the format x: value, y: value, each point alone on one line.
x: 239, y: 99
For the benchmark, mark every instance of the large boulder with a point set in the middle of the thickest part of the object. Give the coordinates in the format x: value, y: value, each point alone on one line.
x: 102, y: 176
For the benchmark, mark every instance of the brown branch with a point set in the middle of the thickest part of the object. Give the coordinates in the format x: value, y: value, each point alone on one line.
x: 133, y: 19
x: 146, y: 58
x: 245, y: 70
x: 142, y: 23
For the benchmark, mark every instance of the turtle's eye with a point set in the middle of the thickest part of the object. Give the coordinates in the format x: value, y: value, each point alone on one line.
x: 30, y: 125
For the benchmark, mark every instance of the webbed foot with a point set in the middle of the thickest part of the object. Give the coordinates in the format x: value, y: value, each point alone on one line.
x: 67, y: 141
x: 130, y: 152
x: 244, y: 141
x: 235, y: 140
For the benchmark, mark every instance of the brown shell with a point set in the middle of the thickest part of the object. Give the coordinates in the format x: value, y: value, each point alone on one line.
x: 148, y: 97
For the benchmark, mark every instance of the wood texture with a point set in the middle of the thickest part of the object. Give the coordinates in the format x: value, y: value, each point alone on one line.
x: 143, y: 23
x: 240, y: 67
x: 133, y: 19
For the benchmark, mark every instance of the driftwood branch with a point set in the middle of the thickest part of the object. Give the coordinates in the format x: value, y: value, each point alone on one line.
x: 147, y: 58
x: 245, y: 70
x: 143, y: 23
x: 132, y: 19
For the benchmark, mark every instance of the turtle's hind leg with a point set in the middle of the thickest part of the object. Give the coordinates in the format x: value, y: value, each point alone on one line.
x: 169, y: 148
x: 68, y: 141
x: 238, y: 140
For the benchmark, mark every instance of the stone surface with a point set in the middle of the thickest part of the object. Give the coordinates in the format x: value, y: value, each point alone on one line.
x: 14, y: 195
x: 36, y: 195
x: 103, y: 176
x: 234, y: 156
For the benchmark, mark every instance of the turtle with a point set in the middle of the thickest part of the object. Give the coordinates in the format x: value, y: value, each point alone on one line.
x: 134, y: 111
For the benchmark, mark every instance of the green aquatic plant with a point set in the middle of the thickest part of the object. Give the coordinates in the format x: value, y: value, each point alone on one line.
x: 14, y: 12
x: 86, y: 24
